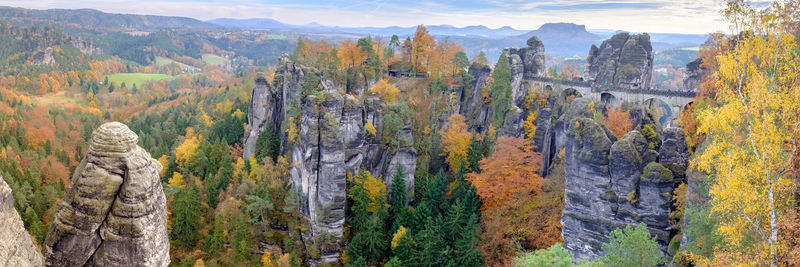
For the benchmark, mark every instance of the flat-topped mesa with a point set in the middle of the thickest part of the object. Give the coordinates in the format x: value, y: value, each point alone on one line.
x: 16, y: 246
x: 114, y: 212
x: 624, y: 60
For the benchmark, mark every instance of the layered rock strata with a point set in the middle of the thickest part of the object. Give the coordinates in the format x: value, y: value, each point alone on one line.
x: 114, y: 212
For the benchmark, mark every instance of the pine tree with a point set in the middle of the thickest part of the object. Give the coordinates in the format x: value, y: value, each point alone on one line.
x: 375, y: 239
x: 431, y: 247
x: 360, y: 207
x: 434, y: 193
x: 398, y: 205
x: 501, y: 90
x: 216, y: 241
x: 186, y: 217
x: 467, y: 252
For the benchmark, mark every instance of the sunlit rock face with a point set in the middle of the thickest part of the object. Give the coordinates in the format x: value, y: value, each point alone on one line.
x: 114, y: 212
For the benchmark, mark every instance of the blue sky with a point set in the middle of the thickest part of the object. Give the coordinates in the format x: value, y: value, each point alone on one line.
x: 675, y: 16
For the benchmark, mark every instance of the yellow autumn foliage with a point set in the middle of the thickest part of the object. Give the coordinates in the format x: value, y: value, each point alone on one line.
x: 455, y: 141
x: 388, y: 92
x: 370, y: 129
x: 752, y: 134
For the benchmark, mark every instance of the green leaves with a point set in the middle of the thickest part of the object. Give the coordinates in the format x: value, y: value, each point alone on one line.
x: 632, y: 247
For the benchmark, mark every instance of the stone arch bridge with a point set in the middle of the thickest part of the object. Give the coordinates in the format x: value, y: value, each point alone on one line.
x: 615, y: 96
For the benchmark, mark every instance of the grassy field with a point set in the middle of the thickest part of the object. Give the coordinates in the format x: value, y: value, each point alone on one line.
x: 211, y: 59
x: 161, y: 61
x: 276, y: 37
x: 695, y: 48
x: 135, y: 78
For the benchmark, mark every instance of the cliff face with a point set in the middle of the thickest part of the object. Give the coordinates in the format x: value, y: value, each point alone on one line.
x: 610, y: 183
x: 114, y: 212
x: 16, y: 246
x: 265, y: 112
x: 623, y: 60
x: 694, y: 75
x: 333, y: 140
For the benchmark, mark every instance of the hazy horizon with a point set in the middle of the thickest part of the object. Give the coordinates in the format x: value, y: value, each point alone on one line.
x: 689, y: 17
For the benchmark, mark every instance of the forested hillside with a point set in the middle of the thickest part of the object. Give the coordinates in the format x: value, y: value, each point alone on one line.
x: 232, y: 147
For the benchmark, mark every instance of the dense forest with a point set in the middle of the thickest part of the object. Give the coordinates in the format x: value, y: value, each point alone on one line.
x: 480, y: 196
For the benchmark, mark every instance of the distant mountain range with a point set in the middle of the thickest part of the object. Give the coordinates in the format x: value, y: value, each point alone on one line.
x: 90, y: 18
x: 560, y: 39
x: 444, y: 30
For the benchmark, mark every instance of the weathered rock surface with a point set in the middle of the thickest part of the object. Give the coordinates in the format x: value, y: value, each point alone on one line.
x: 693, y: 75
x: 265, y: 112
x: 623, y: 60
x: 332, y: 142
x: 532, y: 58
x: 44, y: 57
x: 475, y: 109
x: 610, y: 184
x: 16, y: 246
x: 406, y: 158
x: 114, y: 212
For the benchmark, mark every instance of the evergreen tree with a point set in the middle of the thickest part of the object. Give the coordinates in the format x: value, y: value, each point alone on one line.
x: 398, y: 205
x: 435, y: 193
x: 268, y: 144
x: 403, y: 245
x: 360, y: 207
x: 186, y: 217
x: 241, y: 238
x: 500, y: 91
x: 375, y: 239
x: 216, y: 241
x: 632, y: 247
x: 466, y: 246
x: 431, y: 247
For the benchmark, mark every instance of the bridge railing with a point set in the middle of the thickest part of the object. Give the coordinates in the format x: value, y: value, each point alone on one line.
x: 614, y: 89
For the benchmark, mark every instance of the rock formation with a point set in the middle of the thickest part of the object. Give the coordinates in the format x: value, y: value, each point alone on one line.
x: 16, y: 246
x: 625, y: 60
x: 335, y: 138
x: 44, y: 57
x: 610, y: 183
x: 694, y: 75
x: 531, y: 58
x: 474, y: 108
x: 526, y: 63
x: 114, y: 212
x: 265, y: 112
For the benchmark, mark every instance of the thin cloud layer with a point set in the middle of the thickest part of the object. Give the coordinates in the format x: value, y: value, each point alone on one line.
x: 680, y: 16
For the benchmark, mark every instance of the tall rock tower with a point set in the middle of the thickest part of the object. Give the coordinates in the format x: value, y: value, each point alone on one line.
x: 114, y: 212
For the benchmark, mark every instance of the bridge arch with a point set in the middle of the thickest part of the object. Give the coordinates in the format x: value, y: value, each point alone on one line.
x: 666, y: 112
x: 567, y: 93
x: 609, y: 99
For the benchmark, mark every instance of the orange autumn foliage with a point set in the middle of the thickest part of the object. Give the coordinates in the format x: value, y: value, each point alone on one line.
x: 619, y: 122
x: 350, y: 55
x: 508, y: 188
x: 511, y: 169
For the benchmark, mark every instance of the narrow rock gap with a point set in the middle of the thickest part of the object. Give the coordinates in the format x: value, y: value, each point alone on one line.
x: 105, y: 218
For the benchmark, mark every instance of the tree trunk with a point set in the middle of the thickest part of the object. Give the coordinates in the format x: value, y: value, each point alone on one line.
x: 773, y: 226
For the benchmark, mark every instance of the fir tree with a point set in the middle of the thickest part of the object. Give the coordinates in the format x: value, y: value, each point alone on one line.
x: 186, y: 217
